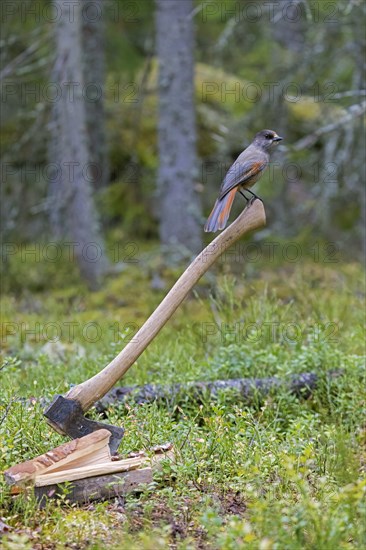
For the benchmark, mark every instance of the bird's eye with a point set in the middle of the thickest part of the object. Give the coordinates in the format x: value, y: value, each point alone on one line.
x: 268, y: 136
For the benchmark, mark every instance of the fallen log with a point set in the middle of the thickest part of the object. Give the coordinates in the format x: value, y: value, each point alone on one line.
x: 244, y: 388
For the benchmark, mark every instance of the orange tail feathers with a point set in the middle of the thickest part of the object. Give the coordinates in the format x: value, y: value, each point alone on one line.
x: 220, y: 212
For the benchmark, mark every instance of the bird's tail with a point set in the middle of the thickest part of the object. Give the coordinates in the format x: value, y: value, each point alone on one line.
x: 220, y: 212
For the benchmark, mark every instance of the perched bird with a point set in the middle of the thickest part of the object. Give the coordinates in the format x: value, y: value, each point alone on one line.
x: 246, y: 170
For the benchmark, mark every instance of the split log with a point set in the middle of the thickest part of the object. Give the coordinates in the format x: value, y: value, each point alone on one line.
x: 244, y: 388
x: 80, y: 458
x: 88, y: 468
x: 100, y: 469
x: 76, y: 453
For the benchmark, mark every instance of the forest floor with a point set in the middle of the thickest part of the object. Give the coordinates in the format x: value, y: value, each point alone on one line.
x: 278, y: 472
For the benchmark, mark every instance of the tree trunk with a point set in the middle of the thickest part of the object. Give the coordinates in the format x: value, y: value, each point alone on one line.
x: 180, y: 211
x: 288, y: 27
x: 94, y: 77
x: 72, y: 212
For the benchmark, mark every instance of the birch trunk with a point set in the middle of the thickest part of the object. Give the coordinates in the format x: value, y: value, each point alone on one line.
x: 180, y: 211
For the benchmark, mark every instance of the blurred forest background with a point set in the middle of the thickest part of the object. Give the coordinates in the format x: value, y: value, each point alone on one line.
x: 120, y: 119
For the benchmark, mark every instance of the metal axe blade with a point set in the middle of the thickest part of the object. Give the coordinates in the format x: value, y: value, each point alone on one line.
x: 66, y: 416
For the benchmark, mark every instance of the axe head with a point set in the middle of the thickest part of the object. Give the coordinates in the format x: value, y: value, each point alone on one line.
x: 66, y: 416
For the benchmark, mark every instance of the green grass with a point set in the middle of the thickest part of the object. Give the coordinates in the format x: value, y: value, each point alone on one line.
x: 277, y: 473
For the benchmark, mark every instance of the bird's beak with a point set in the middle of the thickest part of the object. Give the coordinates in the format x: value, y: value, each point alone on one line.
x: 277, y: 138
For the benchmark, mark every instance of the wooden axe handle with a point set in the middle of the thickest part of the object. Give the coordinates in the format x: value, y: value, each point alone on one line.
x: 253, y: 217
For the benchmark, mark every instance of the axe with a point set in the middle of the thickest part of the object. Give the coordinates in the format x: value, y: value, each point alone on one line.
x: 66, y: 413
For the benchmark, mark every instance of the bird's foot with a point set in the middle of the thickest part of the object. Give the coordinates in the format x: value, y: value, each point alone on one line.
x: 242, y: 194
x: 254, y: 196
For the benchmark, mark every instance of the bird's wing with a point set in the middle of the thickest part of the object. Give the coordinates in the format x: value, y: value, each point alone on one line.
x: 243, y: 170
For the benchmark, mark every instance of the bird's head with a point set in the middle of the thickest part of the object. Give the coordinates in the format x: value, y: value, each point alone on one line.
x: 267, y: 139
